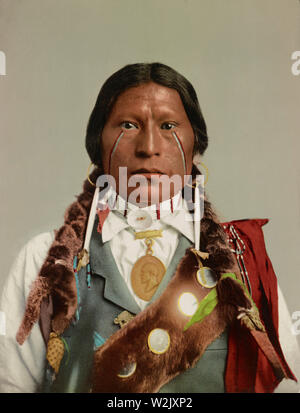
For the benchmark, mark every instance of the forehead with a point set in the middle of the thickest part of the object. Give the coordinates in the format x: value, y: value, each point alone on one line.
x: 151, y: 96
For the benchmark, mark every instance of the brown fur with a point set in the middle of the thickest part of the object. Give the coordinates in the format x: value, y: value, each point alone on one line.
x: 39, y: 290
x: 130, y: 343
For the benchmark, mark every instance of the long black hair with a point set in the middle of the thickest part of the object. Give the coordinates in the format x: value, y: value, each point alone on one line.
x: 134, y: 75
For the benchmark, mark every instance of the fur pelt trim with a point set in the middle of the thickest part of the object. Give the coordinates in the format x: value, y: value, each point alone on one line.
x: 130, y: 344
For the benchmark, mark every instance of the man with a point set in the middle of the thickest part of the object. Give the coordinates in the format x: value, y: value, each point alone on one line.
x: 211, y: 325
x: 150, y: 277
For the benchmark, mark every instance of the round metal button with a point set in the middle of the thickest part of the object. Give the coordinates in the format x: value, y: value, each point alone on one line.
x: 207, y: 277
x: 127, y: 371
x: 158, y: 341
x: 139, y: 219
x: 187, y: 304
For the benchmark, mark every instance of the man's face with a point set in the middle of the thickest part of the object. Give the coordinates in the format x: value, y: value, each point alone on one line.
x: 148, y: 114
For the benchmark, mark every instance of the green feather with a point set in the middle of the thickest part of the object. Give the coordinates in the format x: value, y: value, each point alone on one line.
x: 208, y: 304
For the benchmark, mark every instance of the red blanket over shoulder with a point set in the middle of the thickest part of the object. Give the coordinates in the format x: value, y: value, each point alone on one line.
x: 248, y: 370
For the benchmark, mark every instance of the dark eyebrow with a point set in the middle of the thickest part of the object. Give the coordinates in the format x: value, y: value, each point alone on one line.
x: 163, y: 113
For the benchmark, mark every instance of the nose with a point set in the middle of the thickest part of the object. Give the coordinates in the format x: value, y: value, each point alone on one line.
x: 148, y: 142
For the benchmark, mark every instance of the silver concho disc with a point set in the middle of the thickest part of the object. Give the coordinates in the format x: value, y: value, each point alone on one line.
x: 158, y: 341
x: 207, y: 277
x: 139, y: 219
x: 187, y: 304
x: 127, y: 371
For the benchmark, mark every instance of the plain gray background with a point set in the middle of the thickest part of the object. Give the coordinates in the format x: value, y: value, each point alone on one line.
x: 237, y: 54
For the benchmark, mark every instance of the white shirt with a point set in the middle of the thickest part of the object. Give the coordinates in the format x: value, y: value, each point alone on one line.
x: 22, y: 367
x: 126, y: 250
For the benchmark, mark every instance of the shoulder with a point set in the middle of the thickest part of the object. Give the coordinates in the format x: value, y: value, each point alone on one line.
x: 247, y: 241
x: 249, y: 231
x: 246, y: 224
x: 39, y: 245
x: 35, y: 250
x: 247, y: 236
x: 28, y: 262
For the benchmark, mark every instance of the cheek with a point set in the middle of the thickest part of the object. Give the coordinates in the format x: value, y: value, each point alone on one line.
x: 188, y: 146
x: 111, y: 151
x: 184, y: 143
x: 119, y: 153
x: 104, y: 156
x: 189, y: 153
x: 105, y: 146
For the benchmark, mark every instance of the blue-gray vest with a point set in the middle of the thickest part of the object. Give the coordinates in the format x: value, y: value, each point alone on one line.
x: 99, y: 305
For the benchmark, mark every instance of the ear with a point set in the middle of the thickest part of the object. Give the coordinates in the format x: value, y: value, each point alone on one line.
x: 197, y: 159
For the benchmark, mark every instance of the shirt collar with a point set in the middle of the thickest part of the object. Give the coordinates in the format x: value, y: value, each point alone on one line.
x: 178, y: 217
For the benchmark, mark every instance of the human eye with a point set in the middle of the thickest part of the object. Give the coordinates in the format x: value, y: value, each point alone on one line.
x: 168, y: 125
x: 128, y: 125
